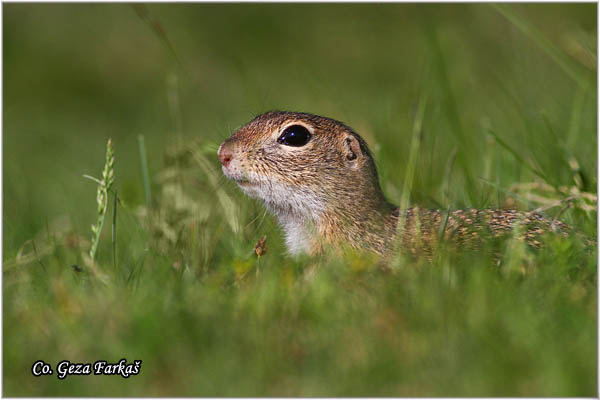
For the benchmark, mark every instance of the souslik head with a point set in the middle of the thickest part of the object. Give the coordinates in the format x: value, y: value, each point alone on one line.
x: 315, y: 174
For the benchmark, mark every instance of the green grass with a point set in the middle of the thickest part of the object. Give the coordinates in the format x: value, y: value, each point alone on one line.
x: 463, y: 106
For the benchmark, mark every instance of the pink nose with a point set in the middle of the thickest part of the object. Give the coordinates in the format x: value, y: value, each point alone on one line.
x: 225, y: 156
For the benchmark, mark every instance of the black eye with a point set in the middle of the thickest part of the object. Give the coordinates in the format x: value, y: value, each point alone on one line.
x: 295, y: 135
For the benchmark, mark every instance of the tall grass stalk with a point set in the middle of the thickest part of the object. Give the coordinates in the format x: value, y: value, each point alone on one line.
x: 157, y: 28
x: 516, y: 155
x: 231, y: 212
x: 113, y: 235
x: 450, y: 105
x: 104, y: 185
x: 538, y: 38
x: 415, y: 144
x: 174, y: 102
x: 575, y: 121
x: 144, y: 167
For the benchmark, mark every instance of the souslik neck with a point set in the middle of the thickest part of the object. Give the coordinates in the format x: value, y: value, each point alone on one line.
x: 355, y: 216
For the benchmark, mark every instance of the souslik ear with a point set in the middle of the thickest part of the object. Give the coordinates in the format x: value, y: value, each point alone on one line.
x: 352, y: 151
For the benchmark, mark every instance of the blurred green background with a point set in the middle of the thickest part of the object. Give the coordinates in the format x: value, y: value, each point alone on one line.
x: 187, y: 296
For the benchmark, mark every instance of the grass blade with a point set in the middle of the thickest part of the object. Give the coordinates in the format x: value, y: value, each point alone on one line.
x: 450, y: 104
x: 538, y: 38
x: 413, y: 152
x: 114, y: 230
x: 144, y: 167
x: 517, y: 156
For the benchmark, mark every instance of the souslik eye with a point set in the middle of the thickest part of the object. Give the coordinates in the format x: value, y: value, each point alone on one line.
x: 295, y: 135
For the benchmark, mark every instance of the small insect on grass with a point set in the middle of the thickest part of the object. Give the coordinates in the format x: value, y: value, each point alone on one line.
x: 260, y: 248
x: 104, y: 186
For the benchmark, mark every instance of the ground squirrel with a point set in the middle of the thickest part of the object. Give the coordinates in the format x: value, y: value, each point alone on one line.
x: 319, y: 179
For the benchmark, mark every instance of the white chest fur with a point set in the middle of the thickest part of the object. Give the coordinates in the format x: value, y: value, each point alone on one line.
x: 299, y: 238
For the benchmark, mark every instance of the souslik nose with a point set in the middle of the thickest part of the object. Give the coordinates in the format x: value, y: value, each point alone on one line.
x: 225, y: 156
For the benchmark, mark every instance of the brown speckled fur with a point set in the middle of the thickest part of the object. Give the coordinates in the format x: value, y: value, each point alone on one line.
x: 467, y: 228
x: 323, y: 196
